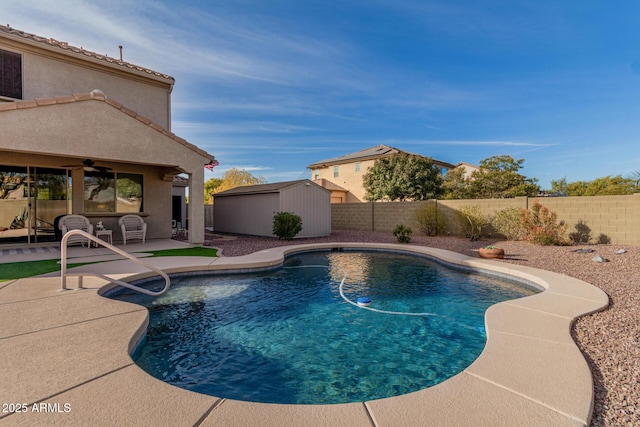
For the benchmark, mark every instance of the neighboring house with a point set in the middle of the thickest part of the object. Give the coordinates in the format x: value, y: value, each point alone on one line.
x: 338, y: 194
x: 343, y: 175
x: 469, y: 169
x: 87, y: 134
x: 250, y: 209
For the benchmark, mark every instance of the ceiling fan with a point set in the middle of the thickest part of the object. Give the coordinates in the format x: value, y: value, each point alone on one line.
x: 89, y: 166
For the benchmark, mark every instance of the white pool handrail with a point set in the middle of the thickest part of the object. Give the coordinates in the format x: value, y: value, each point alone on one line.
x: 97, y: 241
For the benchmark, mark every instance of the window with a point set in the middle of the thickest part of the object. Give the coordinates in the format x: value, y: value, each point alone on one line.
x: 336, y: 171
x: 357, y: 166
x: 129, y: 190
x: 110, y: 192
x: 316, y: 174
x: 10, y: 74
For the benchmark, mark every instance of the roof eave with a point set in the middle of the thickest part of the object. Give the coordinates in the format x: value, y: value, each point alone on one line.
x: 63, y: 48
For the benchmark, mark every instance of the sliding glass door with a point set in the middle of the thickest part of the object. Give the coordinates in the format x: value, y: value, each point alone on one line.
x: 51, y: 194
x: 14, y: 204
x: 30, y: 201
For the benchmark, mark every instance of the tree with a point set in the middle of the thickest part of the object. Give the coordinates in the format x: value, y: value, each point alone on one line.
x: 455, y: 185
x: 498, y: 177
x: 559, y: 186
x: 210, y: 186
x: 238, y: 178
x: 401, y: 177
x: 635, y: 176
x: 576, y: 188
x: 605, y: 186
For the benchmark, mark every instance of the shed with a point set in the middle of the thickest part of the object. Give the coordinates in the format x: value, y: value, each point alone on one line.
x: 250, y: 209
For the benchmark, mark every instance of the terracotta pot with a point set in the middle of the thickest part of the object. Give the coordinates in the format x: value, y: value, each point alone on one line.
x: 491, y: 253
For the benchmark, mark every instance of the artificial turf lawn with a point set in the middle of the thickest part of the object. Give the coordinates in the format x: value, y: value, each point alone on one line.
x: 19, y: 270
x: 194, y: 251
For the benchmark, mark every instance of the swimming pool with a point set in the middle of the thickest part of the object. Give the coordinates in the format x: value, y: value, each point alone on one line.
x: 287, y: 336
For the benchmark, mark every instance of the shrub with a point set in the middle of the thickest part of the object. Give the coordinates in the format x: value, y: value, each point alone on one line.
x: 582, y: 235
x: 603, y: 239
x: 542, y: 226
x: 508, y: 222
x: 402, y: 233
x: 429, y: 218
x: 471, y: 221
x: 286, y: 225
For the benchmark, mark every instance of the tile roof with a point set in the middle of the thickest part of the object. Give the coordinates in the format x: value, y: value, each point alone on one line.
x: 331, y: 186
x: 371, y: 152
x: 64, y: 47
x: 98, y: 95
x: 368, y: 154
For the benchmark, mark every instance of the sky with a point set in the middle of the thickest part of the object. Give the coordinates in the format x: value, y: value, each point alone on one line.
x: 272, y: 86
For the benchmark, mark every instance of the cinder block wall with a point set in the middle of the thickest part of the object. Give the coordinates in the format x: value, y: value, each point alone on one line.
x: 617, y: 217
x: 352, y: 216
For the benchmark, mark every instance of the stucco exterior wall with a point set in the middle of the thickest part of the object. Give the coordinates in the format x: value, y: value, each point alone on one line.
x: 91, y: 128
x: 156, y: 191
x: 348, y: 178
x: 48, y: 74
x: 62, y: 133
x: 125, y: 125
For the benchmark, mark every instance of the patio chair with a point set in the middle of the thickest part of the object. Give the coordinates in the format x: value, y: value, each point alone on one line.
x: 76, y: 222
x: 133, y: 227
x: 180, y: 230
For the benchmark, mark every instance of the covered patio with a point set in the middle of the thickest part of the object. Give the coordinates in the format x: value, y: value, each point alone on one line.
x: 87, y: 154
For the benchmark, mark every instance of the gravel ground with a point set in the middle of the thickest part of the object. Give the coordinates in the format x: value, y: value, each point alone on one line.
x: 609, y: 340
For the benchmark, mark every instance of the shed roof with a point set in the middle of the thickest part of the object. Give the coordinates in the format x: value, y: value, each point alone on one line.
x: 275, y: 187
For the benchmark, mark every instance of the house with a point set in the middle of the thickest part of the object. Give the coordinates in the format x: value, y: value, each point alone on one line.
x: 250, y: 209
x: 84, y: 133
x: 468, y: 169
x: 343, y: 175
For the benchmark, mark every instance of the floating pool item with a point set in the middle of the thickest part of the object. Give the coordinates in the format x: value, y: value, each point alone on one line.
x: 364, y: 301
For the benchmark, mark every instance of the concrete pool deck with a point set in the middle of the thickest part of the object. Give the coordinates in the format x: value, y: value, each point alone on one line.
x: 66, y: 355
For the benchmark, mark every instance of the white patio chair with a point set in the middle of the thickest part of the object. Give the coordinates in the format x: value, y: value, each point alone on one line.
x: 76, y: 222
x: 133, y: 227
x: 180, y: 230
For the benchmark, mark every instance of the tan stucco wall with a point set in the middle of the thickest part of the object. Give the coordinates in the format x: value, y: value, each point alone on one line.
x: 348, y: 178
x: 63, y: 134
x: 91, y: 129
x: 195, y: 209
x: 47, y: 74
x: 156, y: 193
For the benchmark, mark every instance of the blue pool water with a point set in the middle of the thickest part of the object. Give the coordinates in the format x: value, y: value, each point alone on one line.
x: 287, y: 336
